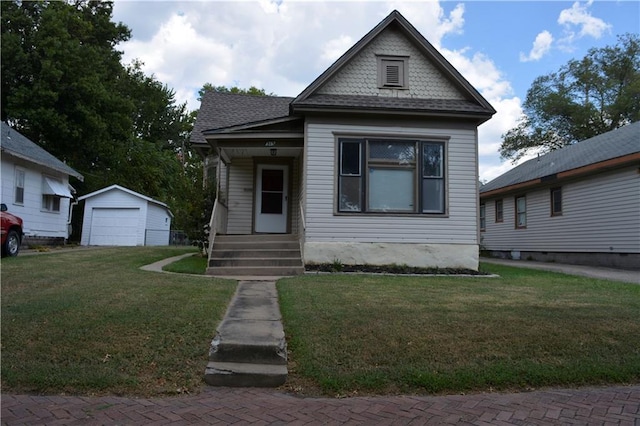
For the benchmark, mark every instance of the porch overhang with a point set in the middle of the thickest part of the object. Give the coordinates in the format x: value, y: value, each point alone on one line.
x: 272, y: 145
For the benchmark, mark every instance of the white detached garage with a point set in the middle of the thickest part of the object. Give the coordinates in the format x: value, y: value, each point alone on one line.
x: 117, y: 216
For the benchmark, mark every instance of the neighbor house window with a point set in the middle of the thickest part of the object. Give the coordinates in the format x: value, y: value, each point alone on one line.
x: 52, y: 191
x: 483, y: 220
x: 499, y: 210
x: 51, y: 203
x: 556, y: 201
x: 19, y: 191
x: 521, y: 212
x: 393, y: 72
x: 389, y: 175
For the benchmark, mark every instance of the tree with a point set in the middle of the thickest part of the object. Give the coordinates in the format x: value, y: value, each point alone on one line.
x: 254, y: 91
x: 585, y: 98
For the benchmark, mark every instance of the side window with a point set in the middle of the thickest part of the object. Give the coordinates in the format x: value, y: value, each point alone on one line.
x: 483, y: 220
x: 521, y: 212
x: 350, y: 178
x: 19, y: 190
x: 499, y: 210
x: 556, y: 201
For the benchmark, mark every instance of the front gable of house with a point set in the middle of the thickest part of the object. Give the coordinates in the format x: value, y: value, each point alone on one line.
x: 394, y: 68
x: 368, y: 72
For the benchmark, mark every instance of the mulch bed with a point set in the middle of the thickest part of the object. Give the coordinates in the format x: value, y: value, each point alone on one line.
x: 390, y: 269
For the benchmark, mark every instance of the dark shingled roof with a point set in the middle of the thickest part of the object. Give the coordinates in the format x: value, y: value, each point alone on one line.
x: 616, y: 143
x: 391, y: 103
x: 223, y: 110
x: 16, y: 144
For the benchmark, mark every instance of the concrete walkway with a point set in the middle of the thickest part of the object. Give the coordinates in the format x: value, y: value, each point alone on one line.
x: 580, y: 270
x: 242, y: 406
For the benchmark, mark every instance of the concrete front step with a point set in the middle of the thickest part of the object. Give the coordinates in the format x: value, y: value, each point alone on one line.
x: 235, y: 374
x: 255, y: 245
x: 272, y: 255
x: 253, y: 253
x: 257, y: 261
x: 260, y: 271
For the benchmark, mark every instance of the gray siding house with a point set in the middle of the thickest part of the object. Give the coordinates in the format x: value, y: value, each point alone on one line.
x: 579, y: 204
x: 375, y: 162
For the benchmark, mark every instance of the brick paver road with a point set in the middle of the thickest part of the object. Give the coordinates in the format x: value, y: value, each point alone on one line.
x: 588, y: 406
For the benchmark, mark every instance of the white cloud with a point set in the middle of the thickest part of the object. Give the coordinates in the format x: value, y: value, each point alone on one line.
x: 587, y: 25
x: 541, y: 46
x: 333, y: 49
x: 283, y: 46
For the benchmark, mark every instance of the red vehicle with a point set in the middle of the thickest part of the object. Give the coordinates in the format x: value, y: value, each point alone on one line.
x: 11, y: 232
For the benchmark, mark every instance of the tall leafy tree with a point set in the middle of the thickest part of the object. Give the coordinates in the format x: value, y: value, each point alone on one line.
x: 224, y: 89
x: 585, y: 98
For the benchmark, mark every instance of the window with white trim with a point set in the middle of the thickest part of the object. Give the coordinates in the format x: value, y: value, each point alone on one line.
x: 52, y: 192
x: 19, y: 190
x: 393, y: 72
x: 483, y: 216
x: 380, y: 175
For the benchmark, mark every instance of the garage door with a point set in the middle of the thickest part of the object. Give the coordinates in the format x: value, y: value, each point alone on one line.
x: 114, y: 227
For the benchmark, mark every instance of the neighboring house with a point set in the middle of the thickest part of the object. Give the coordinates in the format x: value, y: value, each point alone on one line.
x: 579, y: 204
x: 35, y: 187
x: 373, y: 163
x: 117, y: 216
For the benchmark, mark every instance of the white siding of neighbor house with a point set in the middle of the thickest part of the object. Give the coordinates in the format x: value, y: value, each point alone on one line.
x: 360, y: 75
x: 600, y: 214
x: 114, y: 199
x: 37, y: 222
x: 158, y: 226
x: 240, y: 203
x: 460, y: 225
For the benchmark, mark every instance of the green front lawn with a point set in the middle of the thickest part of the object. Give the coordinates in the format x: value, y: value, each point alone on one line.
x: 351, y: 335
x: 91, y: 322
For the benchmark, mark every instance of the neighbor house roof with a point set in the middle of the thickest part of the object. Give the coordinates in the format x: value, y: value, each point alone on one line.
x: 128, y: 191
x: 224, y: 110
x: 18, y: 145
x: 620, y: 144
x: 309, y: 99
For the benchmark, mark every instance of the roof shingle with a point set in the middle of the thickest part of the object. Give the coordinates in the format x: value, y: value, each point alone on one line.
x: 20, y: 146
x: 222, y: 110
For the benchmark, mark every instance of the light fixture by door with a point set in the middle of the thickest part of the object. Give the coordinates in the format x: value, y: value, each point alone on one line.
x: 274, y: 152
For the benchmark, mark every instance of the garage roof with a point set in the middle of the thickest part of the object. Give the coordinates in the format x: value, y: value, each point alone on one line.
x: 128, y: 191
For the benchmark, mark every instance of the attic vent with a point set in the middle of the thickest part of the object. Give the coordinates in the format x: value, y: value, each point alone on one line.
x: 393, y: 75
x: 392, y: 72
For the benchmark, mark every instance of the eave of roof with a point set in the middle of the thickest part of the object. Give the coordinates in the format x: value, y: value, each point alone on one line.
x: 567, y: 174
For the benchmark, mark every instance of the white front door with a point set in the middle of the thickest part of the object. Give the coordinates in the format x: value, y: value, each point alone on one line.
x: 272, y: 185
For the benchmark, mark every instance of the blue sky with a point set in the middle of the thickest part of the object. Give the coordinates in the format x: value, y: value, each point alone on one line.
x: 499, y: 46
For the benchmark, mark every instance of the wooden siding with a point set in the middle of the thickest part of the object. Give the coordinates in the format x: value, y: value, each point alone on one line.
x: 458, y: 227
x: 240, y: 202
x: 599, y: 214
x: 360, y: 75
x: 158, y: 226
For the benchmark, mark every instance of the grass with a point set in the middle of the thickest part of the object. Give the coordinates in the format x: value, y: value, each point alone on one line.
x: 91, y: 322
x: 196, y: 264
x: 368, y: 334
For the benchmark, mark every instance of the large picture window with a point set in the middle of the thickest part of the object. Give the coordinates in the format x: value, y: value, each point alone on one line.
x: 390, y: 175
